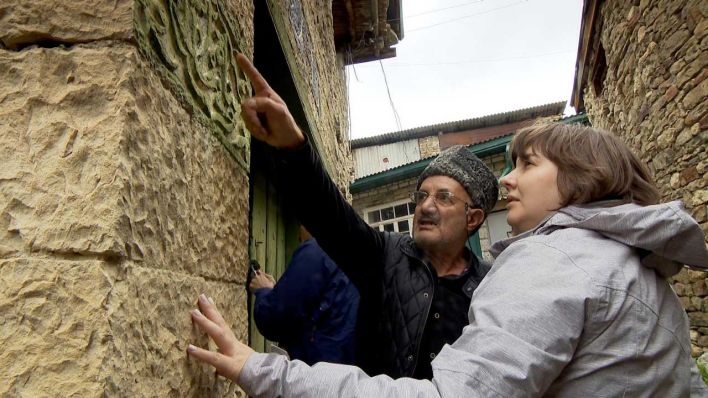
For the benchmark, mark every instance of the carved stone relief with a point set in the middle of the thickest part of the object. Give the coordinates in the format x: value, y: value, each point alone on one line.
x: 193, y: 43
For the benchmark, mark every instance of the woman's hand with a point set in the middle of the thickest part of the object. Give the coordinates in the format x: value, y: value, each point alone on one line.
x: 265, y: 114
x: 232, y: 354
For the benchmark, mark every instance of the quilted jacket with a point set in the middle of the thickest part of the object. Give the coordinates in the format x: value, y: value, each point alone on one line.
x: 395, y: 285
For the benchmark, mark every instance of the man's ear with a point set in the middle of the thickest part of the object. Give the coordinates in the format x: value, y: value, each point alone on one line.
x: 475, y: 218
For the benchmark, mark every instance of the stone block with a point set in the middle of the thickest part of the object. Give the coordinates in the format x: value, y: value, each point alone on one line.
x: 106, y: 161
x: 697, y: 276
x: 699, y: 213
x: 699, y: 197
x: 91, y: 327
x: 149, y: 345
x: 698, y: 318
x: 699, y: 115
x: 697, y: 95
x: 684, y: 136
x: 694, y: 335
x: 689, y: 174
x: 671, y: 93
x: 55, y: 332
x: 61, y: 133
x: 682, y: 276
x: 674, y: 182
x: 696, y: 351
x: 56, y: 21
x: 686, y: 303
x: 666, y: 138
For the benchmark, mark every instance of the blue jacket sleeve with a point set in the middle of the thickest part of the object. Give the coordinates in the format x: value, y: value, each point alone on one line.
x: 281, y: 312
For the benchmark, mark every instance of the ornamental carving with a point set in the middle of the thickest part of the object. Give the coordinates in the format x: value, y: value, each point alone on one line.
x: 193, y: 43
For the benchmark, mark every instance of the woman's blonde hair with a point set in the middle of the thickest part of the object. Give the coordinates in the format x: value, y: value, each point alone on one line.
x: 592, y: 164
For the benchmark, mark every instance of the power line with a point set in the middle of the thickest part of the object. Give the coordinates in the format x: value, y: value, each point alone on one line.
x: 480, y: 61
x: 390, y: 100
x: 466, y: 16
x: 351, y: 62
x: 442, y: 9
x: 347, y: 74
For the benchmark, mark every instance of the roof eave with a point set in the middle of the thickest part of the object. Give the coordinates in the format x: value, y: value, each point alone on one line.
x: 497, y: 145
x: 496, y: 119
x: 587, y: 26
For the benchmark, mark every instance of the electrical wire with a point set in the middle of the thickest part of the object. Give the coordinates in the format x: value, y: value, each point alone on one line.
x: 481, y: 61
x: 443, y: 9
x: 347, y: 75
x: 393, y: 107
x: 465, y: 17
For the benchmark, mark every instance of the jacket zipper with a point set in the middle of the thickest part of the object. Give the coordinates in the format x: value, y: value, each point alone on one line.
x: 425, y: 319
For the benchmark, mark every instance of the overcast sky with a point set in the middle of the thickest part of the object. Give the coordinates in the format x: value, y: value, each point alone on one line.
x: 461, y: 59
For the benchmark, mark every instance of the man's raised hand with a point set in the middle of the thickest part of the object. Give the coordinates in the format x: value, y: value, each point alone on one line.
x: 265, y: 114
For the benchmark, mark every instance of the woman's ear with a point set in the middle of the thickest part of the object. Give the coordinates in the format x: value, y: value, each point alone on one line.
x: 475, y: 217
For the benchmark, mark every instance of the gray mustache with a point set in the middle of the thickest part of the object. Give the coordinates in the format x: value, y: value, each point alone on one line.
x: 433, y: 220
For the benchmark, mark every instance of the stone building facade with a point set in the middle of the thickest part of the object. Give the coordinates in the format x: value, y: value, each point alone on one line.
x: 641, y: 73
x: 125, y: 180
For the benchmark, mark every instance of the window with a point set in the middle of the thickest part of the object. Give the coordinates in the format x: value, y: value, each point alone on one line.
x: 393, y: 217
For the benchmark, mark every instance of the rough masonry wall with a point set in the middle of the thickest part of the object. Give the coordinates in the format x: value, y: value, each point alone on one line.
x: 654, y: 97
x: 429, y: 146
x: 117, y: 208
x: 319, y: 76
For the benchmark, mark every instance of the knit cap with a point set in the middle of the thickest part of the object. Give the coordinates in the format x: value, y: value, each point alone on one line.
x: 460, y: 164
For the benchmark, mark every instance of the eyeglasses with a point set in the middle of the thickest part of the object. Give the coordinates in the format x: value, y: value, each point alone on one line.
x: 440, y: 198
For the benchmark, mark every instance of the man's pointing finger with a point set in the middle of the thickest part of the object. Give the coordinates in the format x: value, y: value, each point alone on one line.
x: 257, y: 81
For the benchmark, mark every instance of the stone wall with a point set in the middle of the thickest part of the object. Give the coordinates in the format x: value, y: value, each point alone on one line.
x: 318, y: 72
x: 654, y: 96
x: 429, y: 146
x: 119, y: 203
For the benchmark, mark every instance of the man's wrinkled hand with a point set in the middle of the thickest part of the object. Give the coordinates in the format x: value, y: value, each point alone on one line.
x: 232, y: 354
x: 265, y: 114
x: 261, y: 280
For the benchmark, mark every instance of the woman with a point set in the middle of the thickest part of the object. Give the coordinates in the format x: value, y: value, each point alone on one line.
x: 576, y: 303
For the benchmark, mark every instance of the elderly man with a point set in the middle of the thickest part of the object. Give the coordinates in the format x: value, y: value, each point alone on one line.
x: 414, y: 292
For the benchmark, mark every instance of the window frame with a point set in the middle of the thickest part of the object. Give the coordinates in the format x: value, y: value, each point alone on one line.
x: 379, y: 225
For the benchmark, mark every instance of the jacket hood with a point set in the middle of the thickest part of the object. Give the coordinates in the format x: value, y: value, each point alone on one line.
x: 665, y: 235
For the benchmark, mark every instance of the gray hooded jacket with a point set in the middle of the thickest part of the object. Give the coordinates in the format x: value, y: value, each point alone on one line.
x: 576, y: 307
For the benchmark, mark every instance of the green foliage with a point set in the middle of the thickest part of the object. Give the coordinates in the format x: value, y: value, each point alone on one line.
x: 702, y: 363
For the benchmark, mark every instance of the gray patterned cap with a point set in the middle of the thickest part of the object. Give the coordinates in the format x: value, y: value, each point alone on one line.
x: 460, y: 164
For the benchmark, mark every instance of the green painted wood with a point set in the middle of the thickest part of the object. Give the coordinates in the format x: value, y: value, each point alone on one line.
x: 280, y: 239
x: 258, y: 245
x: 475, y: 245
x: 272, y: 231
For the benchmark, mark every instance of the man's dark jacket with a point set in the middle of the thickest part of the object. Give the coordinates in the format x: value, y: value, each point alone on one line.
x: 395, y: 284
x: 312, y: 310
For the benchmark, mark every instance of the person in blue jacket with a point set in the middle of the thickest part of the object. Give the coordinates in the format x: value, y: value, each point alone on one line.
x: 311, y: 311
